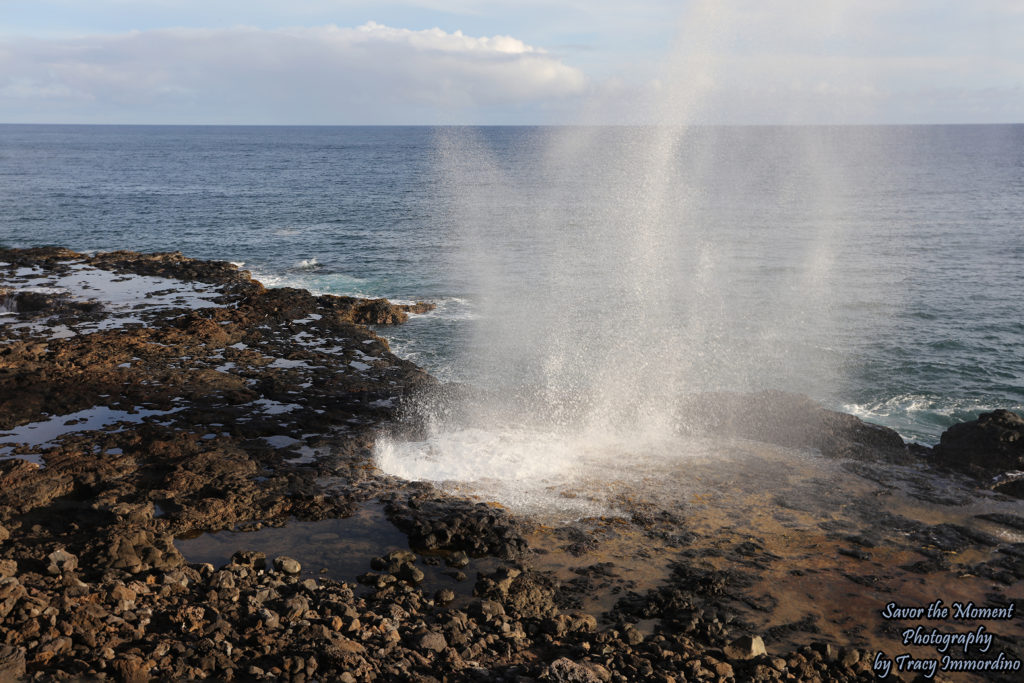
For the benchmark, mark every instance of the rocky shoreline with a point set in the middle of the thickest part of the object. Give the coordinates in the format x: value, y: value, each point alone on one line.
x: 148, y: 398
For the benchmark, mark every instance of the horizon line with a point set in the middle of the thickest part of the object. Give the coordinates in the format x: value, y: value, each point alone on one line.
x: 512, y: 125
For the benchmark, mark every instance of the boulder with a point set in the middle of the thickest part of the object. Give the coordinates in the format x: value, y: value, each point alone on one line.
x: 60, y: 561
x: 287, y: 565
x: 992, y: 444
x: 565, y: 670
x: 746, y: 647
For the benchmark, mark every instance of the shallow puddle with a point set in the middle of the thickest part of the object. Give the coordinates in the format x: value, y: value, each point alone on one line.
x: 339, y: 549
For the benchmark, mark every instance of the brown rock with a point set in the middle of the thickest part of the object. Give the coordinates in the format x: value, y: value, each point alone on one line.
x: 61, y: 561
x: 746, y: 647
x: 130, y: 669
x: 565, y: 670
x: 12, y: 664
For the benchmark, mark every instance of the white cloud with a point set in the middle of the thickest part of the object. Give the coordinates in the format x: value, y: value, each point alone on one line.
x: 329, y: 74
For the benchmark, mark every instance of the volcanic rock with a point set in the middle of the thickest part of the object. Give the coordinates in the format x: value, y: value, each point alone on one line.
x: 565, y: 670
x: 61, y: 561
x: 12, y: 663
x: 746, y: 647
x: 992, y: 444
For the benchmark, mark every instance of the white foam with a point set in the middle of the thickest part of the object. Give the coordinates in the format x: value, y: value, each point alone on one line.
x: 361, y: 367
x: 565, y: 474
x: 922, y: 417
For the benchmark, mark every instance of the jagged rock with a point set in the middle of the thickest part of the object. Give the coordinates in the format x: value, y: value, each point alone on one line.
x: 487, y: 609
x: 12, y: 663
x: 248, y: 558
x: 4, y: 534
x: 61, y: 561
x: 561, y: 624
x: 745, y: 647
x: 130, y: 669
x: 565, y: 670
x: 992, y: 444
x: 295, y: 607
x: 123, y: 596
x: 431, y: 641
x: 270, y: 619
x: 139, y: 550
x: 11, y: 591
x: 457, y: 559
x: 410, y: 572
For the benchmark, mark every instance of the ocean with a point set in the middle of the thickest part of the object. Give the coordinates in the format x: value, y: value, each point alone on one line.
x: 879, y: 270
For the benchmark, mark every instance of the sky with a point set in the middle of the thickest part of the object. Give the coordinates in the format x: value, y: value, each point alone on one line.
x: 430, y: 62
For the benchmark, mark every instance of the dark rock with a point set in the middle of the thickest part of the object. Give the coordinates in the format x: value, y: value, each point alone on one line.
x: 295, y: 607
x: 1011, y: 521
x: 431, y: 641
x: 410, y: 572
x: 1010, y: 484
x: 60, y: 561
x: 457, y: 559
x: 249, y: 558
x: 487, y: 609
x: 991, y: 444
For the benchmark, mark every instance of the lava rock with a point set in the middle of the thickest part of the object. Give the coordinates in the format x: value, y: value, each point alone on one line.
x: 746, y: 647
x: 12, y: 663
x: 431, y: 641
x: 565, y: 670
x: 991, y: 444
x: 60, y: 561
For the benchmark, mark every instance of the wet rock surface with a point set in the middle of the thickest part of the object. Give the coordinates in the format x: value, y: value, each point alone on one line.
x: 210, y: 403
x: 990, y: 445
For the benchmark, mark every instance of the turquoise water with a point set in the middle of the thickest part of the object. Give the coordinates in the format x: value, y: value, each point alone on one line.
x: 877, y: 269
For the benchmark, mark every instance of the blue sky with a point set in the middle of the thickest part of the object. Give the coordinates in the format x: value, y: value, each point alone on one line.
x: 504, y: 62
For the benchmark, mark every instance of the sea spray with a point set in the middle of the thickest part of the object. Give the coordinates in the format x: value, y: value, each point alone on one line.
x: 609, y: 283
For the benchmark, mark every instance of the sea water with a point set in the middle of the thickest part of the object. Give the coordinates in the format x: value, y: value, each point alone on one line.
x: 877, y: 269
